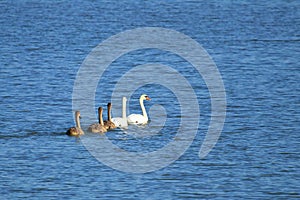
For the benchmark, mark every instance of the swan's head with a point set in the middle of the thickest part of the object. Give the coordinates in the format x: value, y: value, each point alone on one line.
x: 145, y: 97
x: 77, y: 114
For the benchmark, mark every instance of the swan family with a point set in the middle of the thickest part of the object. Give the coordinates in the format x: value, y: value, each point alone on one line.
x: 112, y: 123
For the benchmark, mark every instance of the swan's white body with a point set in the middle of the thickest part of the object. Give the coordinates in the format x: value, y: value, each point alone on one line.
x: 137, y: 118
x: 121, y: 122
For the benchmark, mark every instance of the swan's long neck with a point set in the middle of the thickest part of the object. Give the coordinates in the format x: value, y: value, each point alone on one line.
x: 109, y: 112
x: 124, y: 108
x: 100, y: 117
x: 77, y: 121
x: 143, y: 108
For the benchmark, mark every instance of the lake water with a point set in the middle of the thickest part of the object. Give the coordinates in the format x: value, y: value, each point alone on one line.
x: 255, y: 46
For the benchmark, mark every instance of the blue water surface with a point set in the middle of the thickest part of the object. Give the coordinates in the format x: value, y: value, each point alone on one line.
x: 255, y: 45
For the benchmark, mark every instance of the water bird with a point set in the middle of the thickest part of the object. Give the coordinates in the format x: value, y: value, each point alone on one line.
x: 121, y: 122
x: 108, y: 124
x: 75, y: 131
x: 138, y: 118
x: 98, y: 127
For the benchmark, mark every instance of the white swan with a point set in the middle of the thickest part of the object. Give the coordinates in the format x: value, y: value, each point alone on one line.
x: 121, y: 121
x: 108, y: 124
x: 137, y: 118
x: 75, y: 131
x: 98, y: 127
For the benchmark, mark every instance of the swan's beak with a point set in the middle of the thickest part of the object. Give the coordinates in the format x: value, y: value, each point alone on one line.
x: 148, y: 98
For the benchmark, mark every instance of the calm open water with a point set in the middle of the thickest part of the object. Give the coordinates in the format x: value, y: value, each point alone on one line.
x: 256, y: 46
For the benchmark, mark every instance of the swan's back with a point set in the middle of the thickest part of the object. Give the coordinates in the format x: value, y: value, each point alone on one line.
x: 109, y: 125
x: 97, y: 128
x: 120, y: 122
x: 137, y: 119
x: 74, y: 131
